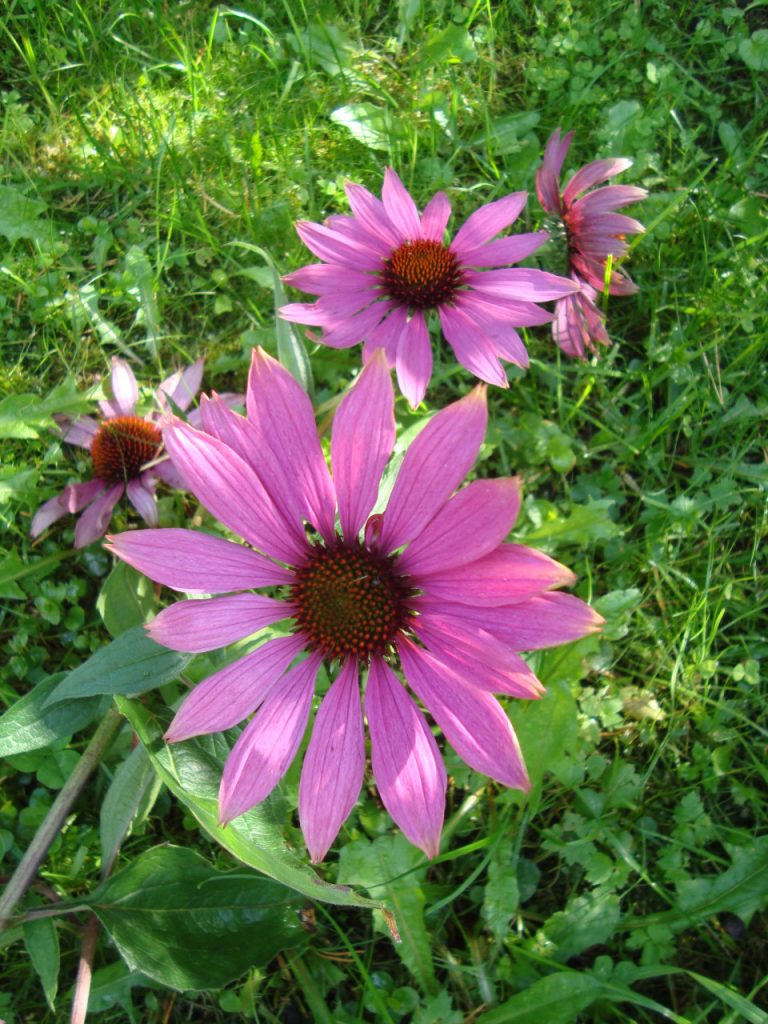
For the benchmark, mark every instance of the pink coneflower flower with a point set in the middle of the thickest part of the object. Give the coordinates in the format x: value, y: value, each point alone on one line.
x: 427, y: 587
x: 385, y: 268
x: 594, y: 233
x: 124, y: 448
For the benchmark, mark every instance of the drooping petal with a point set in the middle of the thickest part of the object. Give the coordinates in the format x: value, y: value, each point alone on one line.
x: 548, y: 175
x: 231, y: 491
x: 125, y: 391
x: 269, y: 742
x: 361, y: 443
x: 435, y: 217
x: 93, y: 523
x: 334, y: 763
x: 141, y: 495
x: 195, y: 562
x: 604, y: 200
x: 231, y: 694
x: 474, y: 349
x: 206, y: 625
x: 508, y: 575
x: 400, y: 208
x: 472, y: 721
x: 168, y: 473
x: 486, y: 222
x: 73, y: 498
x: 413, y: 361
x: 290, y: 457
x: 182, y: 386
x: 409, y: 771
x: 543, y: 621
x: 472, y: 523
x: 433, y: 467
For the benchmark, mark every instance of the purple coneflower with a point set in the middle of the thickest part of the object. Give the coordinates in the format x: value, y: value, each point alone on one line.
x: 595, y: 233
x: 124, y: 448
x: 385, y: 268
x: 428, y: 587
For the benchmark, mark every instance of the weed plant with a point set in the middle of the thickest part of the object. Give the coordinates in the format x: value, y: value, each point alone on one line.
x: 152, y: 154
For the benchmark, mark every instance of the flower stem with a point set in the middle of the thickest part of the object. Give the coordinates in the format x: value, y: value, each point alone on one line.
x: 60, y: 808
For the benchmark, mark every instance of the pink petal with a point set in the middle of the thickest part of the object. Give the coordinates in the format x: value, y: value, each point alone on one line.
x: 593, y: 174
x: 269, y: 743
x: 80, y: 432
x: 231, y: 491
x: 508, y: 575
x: 548, y: 175
x: 477, y: 659
x: 206, y: 625
x: 521, y: 284
x: 435, y: 217
x: 371, y: 213
x: 433, y: 467
x: 73, y: 498
x: 543, y: 621
x: 125, y: 392
x: 511, y: 249
x: 182, y: 386
x: 400, y: 208
x: 386, y: 335
x: 143, y: 499
x: 362, y: 441
x: 196, y: 562
x: 407, y: 765
x: 333, y: 247
x: 472, y: 721
x: 486, y: 222
x: 290, y: 458
x: 93, y: 523
x: 604, y: 200
x: 413, y: 361
x: 169, y: 474
x: 325, y: 279
x: 231, y: 694
x: 474, y: 349
x: 470, y: 524
x: 334, y: 763
x: 491, y: 311
x: 355, y: 329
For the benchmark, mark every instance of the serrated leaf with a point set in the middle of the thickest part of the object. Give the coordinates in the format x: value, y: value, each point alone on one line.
x: 132, y: 663
x: 30, y: 725
x: 584, y: 525
x: 741, y: 890
x: 174, y: 917
x: 26, y: 415
x: 42, y: 942
x: 132, y: 781
x: 193, y: 773
x: 588, y: 920
x: 390, y: 868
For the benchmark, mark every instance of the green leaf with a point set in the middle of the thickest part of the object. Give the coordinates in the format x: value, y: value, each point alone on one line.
x: 29, y: 724
x: 754, y: 51
x: 19, y: 214
x: 193, y: 775
x: 390, y: 868
x: 588, y: 920
x: 290, y: 347
x: 176, y: 918
x: 741, y: 890
x: 132, y: 663
x: 501, y: 896
x: 452, y: 45
x: 111, y: 986
x: 584, y: 525
x: 139, y: 269
x: 376, y: 127
x: 133, y: 782
x: 42, y: 942
x: 556, y: 999
x: 11, y: 568
x: 126, y: 599
x: 546, y: 729
x: 26, y: 415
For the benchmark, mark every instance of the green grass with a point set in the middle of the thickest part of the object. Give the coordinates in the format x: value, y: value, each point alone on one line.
x: 147, y: 149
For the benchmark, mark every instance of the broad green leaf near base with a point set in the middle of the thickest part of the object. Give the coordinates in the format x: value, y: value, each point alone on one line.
x: 31, y: 723
x: 193, y: 776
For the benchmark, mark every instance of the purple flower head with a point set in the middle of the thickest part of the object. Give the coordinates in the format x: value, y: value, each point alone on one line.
x: 427, y: 588
x: 386, y: 267
x: 594, y: 233
x: 124, y: 451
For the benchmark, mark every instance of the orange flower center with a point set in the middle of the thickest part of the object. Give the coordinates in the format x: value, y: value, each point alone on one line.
x: 349, y: 601
x: 121, y: 447
x: 422, y: 274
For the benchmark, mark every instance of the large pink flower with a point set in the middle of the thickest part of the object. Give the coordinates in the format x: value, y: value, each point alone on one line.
x: 428, y: 586
x: 386, y: 267
x: 124, y: 448
x: 594, y: 233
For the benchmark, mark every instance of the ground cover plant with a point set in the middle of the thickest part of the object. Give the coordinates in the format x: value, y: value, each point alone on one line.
x: 156, y: 158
